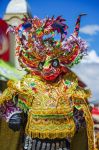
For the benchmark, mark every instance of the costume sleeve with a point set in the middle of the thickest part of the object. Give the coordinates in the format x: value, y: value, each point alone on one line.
x: 8, y: 109
x: 24, y: 94
x: 7, y: 95
x: 7, y: 106
x: 80, y: 96
x: 79, y: 99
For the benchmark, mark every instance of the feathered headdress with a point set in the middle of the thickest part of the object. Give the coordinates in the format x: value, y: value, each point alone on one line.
x: 38, y: 38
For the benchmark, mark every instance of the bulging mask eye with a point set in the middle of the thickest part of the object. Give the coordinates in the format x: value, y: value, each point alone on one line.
x: 40, y: 66
x: 55, y: 63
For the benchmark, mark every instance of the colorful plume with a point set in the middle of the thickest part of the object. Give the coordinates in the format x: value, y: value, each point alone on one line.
x: 36, y: 41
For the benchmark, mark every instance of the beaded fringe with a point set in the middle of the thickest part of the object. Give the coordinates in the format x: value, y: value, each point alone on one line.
x: 40, y: 135
x: 35, y: 144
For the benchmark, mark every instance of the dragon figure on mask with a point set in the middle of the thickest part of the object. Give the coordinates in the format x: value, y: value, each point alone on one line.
x: 50, y: 93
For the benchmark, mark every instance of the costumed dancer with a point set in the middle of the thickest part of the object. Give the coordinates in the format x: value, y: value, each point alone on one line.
x: 50, y: 93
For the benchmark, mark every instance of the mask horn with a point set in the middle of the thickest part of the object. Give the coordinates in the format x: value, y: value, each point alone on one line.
x: 77, y: 26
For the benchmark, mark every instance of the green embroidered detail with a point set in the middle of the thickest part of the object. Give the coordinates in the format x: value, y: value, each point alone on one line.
x: 67, y: 83
x: 55, y: 116
x: 32, y: 84
x: 77, y: 107
x: 22, y: 105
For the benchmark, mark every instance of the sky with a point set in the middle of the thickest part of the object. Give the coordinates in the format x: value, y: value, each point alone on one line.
x: 88, y: 70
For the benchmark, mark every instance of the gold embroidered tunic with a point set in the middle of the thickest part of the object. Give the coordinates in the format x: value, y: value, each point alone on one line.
x: 50, y: 105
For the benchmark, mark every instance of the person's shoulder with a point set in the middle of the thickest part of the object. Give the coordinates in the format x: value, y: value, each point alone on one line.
x: 70, y: 76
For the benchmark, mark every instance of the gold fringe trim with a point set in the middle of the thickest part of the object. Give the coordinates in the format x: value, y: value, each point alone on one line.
x: 50, y: 135
x: 52, y: 129
x: 89, y: 123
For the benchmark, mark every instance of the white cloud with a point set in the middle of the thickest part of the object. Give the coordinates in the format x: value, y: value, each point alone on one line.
x: 92, y: 57
x: 88, y: 71
x: 90, y: 29
x: 89, y: 74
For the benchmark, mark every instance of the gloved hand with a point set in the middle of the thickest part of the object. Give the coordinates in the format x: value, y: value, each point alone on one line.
x: 15, y: 122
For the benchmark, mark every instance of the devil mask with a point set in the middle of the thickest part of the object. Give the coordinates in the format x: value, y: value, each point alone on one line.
x: 43, y: 49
